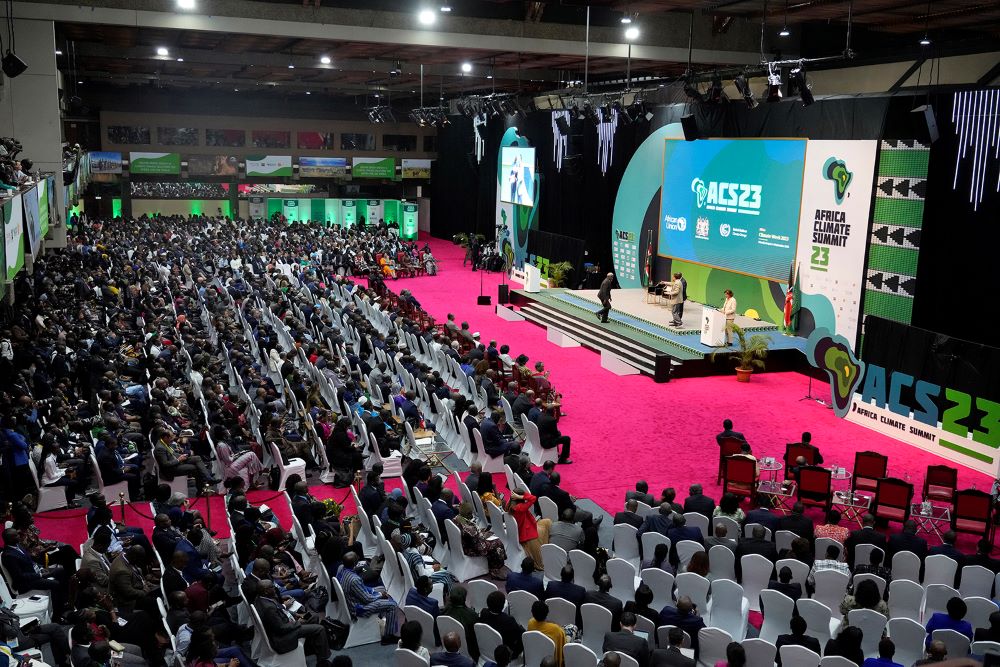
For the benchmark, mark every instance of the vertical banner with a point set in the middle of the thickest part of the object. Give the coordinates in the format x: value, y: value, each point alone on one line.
x: 31, y: 222
x: 43, y: 207
x: 331, y: 213
x: 409, y: 225
x: 290, y: 209
x: 13, y: 233
x: 349, y: 211
x: 258, y: 207
x: 514, y: 220
x: 374, y: 211
x: 833, y: 232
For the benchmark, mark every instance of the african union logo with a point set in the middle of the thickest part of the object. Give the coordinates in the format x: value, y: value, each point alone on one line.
x: 698, y: 187
x: 836, y: 170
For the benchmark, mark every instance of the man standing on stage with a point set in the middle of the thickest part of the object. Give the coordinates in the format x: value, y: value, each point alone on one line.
x: 604, y: 294
x: 675, y: 297
x: 729, y: 310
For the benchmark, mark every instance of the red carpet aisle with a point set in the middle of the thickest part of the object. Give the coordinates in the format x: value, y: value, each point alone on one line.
x: 628, y: 428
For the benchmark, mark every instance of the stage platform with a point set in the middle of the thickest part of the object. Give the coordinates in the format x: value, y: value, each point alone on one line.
x: 641, y: 335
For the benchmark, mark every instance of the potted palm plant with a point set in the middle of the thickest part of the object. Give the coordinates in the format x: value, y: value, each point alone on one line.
x: 558, y: 273
x: 749, y: 353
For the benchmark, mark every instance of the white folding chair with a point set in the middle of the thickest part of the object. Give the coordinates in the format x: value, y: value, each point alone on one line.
x: 760, y: 652
x: 49, y: 497
x: 712, y: 643
x: 756, y: 576
x: 487, y: 639
x: 295, y: 466
x: 985, y: 648
x: 426, y: 622
x: 462, y: 566
x: 549, y: 508
x: 649, y: 541
x: 577, y: 654
x: 686, y: 549
x: 936, y: 599
x: 800, y: 571
x: 663, y: 637
x: 831, y: 586
x: 596, y: 622
x: 623, y: 579
x: 446, y: 624
x: 537, y: 647
x: 836, y: 661
x: 519, y: 605
x: 477, y: 592
x: 862, y: 553
x: 728, y: 609
x: 561, y: 611
x: 699, y: 521
x: 407, y: 658
x: 583, y: 569
x: 798, y: 656
x: 821, y: 543
x: 867, y: 576
x: 821, y: 622
x: 939, y: 569
x: 24, y: 606
x: 905, y: 599
x: 362, y: 630
x: 977, y: 581
x: 909, y: 637
x: 871, y: 623
x: 783, y: 540
x: 554, y: 557
x: 748, y: 531
x: 778, y: 609
x: 268, y: 657
x: 979, y: 610
x: 626, y: 660
x: 662, y: 584
x: 721, y: 563
x: 732, y: 526
x: 905, y: 565
x: 695, y: 587
x: 626, y: 543
x: 957, y: 643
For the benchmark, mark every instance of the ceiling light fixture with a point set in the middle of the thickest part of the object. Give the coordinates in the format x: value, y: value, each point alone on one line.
x: 426, y: 17
x: 631, y: 33
x: 466, y: 67
x: 180, y: 60
x: 58, y: 53
x: 445, y: 8
x: 784, y: 29
x: 185, y: 4
x: 325, y: 60
x: 925, y: 40
x: 308, y: 92
x: 626, y: 19
x: 162, y: 51
x: 291, y: 66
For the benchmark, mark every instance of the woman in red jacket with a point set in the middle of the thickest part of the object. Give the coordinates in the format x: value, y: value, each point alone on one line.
x: 532, y: 533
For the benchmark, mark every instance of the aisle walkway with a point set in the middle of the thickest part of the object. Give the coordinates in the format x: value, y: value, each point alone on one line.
x: 629, y: 428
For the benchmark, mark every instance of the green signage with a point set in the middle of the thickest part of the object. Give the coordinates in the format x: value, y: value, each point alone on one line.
x: 350, y: 212
x: 374, y: 167
x: 155, y: 163
x: 408, y: 229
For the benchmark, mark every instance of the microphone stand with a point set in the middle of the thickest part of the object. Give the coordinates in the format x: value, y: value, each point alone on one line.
x: 809, y: 396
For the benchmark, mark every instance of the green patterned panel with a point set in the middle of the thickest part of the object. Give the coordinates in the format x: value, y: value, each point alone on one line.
x: 895, y: 260
x: 907, y: 163
x: 906, y: 212
x: 889, y: 306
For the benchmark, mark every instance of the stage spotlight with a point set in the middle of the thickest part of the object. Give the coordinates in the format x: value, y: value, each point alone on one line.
x: 692, y: 91
x: 606, y: 112
x: 925, y: 40
x: 481, y: 130
x: 185, y: 4
x: 715, y: 91
x: 631, y: 33
x: 466, y: 67
x: 562, y: 125
x: 590, y: 113
x: 743, y: 86
x: 773, y: 85
x: 325, y: 60
x: 426, y: 17
x: 798, y: 79
x: 162, y: 51
x: 443, y: 119
x: 12, y: 65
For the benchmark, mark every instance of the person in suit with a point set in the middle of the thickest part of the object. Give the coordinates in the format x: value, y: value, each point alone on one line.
x: 525, y: 580
x: 728, y: 432
x: 798, y: 637
x: 698, y: 502
x: 510, y: 630
x: 604, y: 296
x: 443, y: 509
x: 284, y: 628
x: 762, y: 514
x: 494, y: 442
x: 662, y: 522
x: 421, y: 596
x: 671, y: 656
x: 451, y: 656
x: 95, y: 559
x: 129, y: 587
x: 567, y: 590
x: 992, y: 633
x: 641, y: 493
x: 907, y: 540
x: 982, y: 557
x: 173, y: 576
x: 817, y: 458
x: 720, y: 538
x: 625, y: 641
x: 549, y: 435
x: 564, y: 501
x: 755, y: 544
x: 539, y: 484
x: 864, y: 535
x: 797, y: 522
x: 26, y: 574
x: 173, y: 464
x: 565, y: 533
x: 947, y: 548
x: 460, y: 611
x: 784, y: 584
x: 680, y: 532
x: 114, y: 469
x: 684, y: 616
x: 629, y: 516
x: 603, y: 597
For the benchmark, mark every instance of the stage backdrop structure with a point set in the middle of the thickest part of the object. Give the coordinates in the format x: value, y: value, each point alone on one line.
x: 514, y: 220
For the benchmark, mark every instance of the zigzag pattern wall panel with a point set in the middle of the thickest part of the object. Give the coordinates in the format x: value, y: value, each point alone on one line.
x: 894, y: 244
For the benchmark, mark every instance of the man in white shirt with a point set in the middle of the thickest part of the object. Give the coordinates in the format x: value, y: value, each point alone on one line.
x: 729, y: 310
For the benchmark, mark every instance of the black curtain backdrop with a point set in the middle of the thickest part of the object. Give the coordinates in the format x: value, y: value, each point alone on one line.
x: 557, y: 248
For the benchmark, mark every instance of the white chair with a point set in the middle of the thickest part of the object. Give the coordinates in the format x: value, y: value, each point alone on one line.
x: 957, y: 643
x: 490, y: 463
x: 936, y: 599
x: 939, y: 569
x: 800, y: 571
x: 407, y: 658
x: 577, y: 654
x: 695, y: 587
x: 979, y: 610
x: 977, y: 581
x: 583, y: 569
x: 554, y: 558
x: 760, y: 652
x: 699, y: 521
x: 867, y: 576
x: 596, y: 622
x: 831, y: 586
x: 446, y: 624
x: 821, y: 622
x: 712, y: 643
x: 426, y: 622
x: 649, y: 541
x: 109, y: 491
x: 561, y: 611
x: 756, y: 576
x: 549, y: 508
x: 748, y: 531
x: 728, y: 609
x: 662, y: 584
x: 686, y: 549
x: 24, y: 606
x: 908, y: 636
x: 778, y: 609
x: 623, y: 579
x: 644, y: 510
x: 985, y: 648
x: 905, y: 565
x: 862, y: 553
x: 871, y: 623
x: 626, y: 543
x: 519, y: 606
x: 783, y: 540
x: 626, y: 660
x: 533, y: 443
x: 268, y: 657
x: 732, y: 527
x: 462, y: 566
x: 295, y: 466
x: 821, y: 543
x: 836, y: 661
x: 537, y: 647
x: 363, y: 630
x: 512, y: 544
x: 721, y: 563
x: 905, y: 599
x: 50, y: 497
x: 798, y: 656
x: 478, y: 590
x: 487, y: 639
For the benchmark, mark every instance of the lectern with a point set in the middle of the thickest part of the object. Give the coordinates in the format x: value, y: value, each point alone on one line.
x: 713, y: 327
x: 532, y: 278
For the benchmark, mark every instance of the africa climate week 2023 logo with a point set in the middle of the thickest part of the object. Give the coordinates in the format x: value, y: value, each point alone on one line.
x: 832, y: 353
x: 836, y: 170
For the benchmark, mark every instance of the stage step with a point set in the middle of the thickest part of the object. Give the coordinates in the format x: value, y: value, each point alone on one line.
x: 597, y: 337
